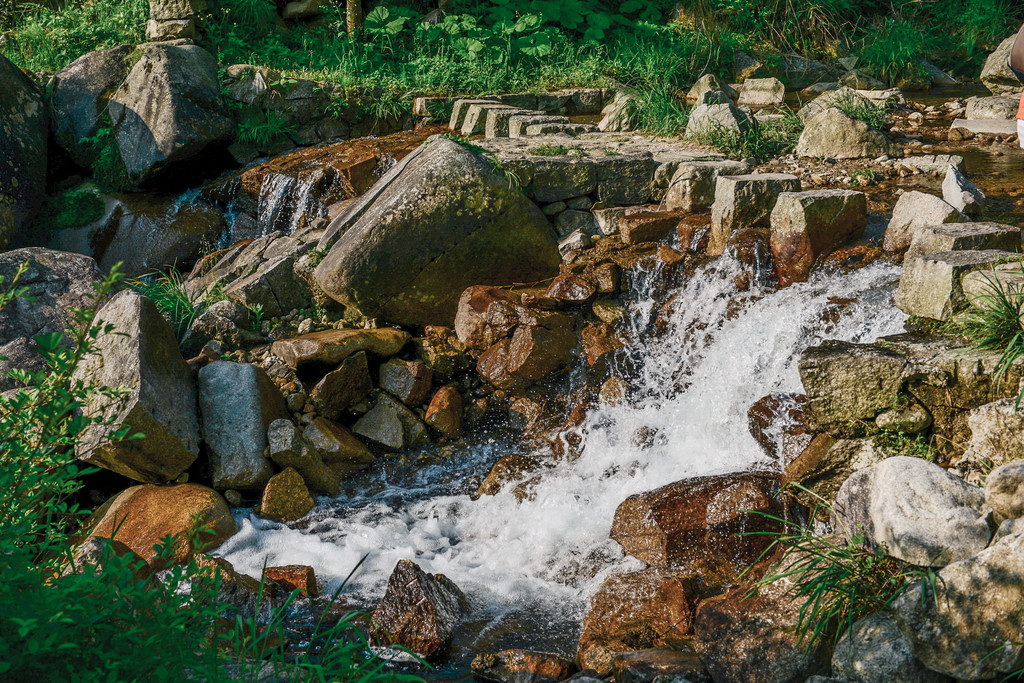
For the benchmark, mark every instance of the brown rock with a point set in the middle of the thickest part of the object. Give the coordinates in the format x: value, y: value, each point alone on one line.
x: 442, y: 352
x: 571, y: 289
x: 806, y: 226
x: 493, y: 367
x: 693, y: 524
x: 647, y: 666
x: 295, y: 577
x: 407, y: 380
x: 538, y: 350
x: 508, y: 469
x: 339, y: 389
x: 649, y: 226
x: 599, y: 342
x: 330, y: 347
x: 96, y: 551
x: 607, y: 277
x: 419, y: 611
x: 339, y: 449
x: 285, y: 498
x: 780, y: 417
x: 669, y: 256
x: 636, y: 611
x: 141, y: 516
x: 485, y: 316
x: 288, y: 448
x: 445, y: 412
x: 522, y: 666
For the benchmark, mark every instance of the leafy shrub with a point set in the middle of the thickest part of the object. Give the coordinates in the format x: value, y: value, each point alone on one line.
x: 70, y: 209
x: 263, y: 128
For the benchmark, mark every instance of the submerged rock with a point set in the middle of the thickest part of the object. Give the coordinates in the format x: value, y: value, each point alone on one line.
x: 522, y: 666
x: 419, y: 611
x: 496, y: 236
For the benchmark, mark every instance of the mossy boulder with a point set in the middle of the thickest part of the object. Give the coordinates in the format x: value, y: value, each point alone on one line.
x: 23, y: 133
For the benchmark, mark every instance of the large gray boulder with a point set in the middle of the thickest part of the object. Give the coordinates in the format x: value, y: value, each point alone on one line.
x: 962, y: 194
x: 23, y: 133
x: 745, y: 201
x: 996, y: 75
x: 918, y: 511
x: 238, y: 402
x: 693, y: 185
x: 836, y: 135
x: 915, y: 210
x: 81, y: 92
x: 964, y: 237
x: 967, y: 622
x: 1004, y: 490
x: 441, y: 220
x: 992, y: 108
x: 56, y: 282
x: 997, y: 433
x: 932, y: 285
x: 168, y: 109
x: 874, y: 650
x: 140, y: 356
x: 709, y: 118
x: 762, y: 92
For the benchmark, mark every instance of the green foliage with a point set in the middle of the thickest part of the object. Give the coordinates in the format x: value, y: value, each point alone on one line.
x: 993, y: 323
x: 548, y: 149
x: 890, y: 442
x: 838, y: 579
x: 263, y: 128
x: 250, y: 15
x: 891, y: 51
x: 876, y: 116
x: 659, y: 110
x: 464, y: 141
x: 108, y: 170
x: 870, y: 177
x: 70, y: 209
x: 167, y: 291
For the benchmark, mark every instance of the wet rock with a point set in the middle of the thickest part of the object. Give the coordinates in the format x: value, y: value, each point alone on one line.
x: 289, y: 448
x: 997, y: 433
x: 996, y: 74
x: 142, y: 516
x: 238, y: 594
x: 692, y: 524
x: 913, y: 211
x: 274, y: 288
x: 693, y: 186
x: 708, y: 118
x: 918, y: 511
x: 569, y: 221
x: 341, y: 388
x: 607, y: 277
x: 745, y: 201
x: 837, y: 135
x: 330, y: 347
x: 501, y: 239
x: 419, y: 611
x: 536, y: 351
x: 445, y: 412
x: 522, y: 666
x: 637, y: 611
x: 338, y: 448
x: 571, y: 289
x: 962, y: 194
x: 442, y: 352
x: 168, y: 109
x: 963, y: 624
x: 807, y: 226
x: 390, y: 424
x: 845, y: 382
x: 649, y: 226
x: 139, y: 355
x: 508, y: 469
x: 647, y: 666
x: 931, y: 284
x: 23, y: 126
x: 825, y: 464
x: 875, y: 651
x: 296, y: 577
x: 408, y: 381
x: 778, y: 424
x: 285, y: 497
x: 238, y: 402
x: 55, y: 283
x: 493, y: 367
x: 762, y: 92
x: 1004, y: 490
x: 81, y: 91
x: 600, y: 342
x: 974, y: 236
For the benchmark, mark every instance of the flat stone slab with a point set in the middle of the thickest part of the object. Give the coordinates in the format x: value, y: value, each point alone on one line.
x: 517, y: 123
x: 498, y: 120
x: 572, y: 129
x: 934, y: 163
x: 461, y: 107
x: 931, y: 284
x: 476, y: 116
x: 989, y: 127
x: 964, y: 237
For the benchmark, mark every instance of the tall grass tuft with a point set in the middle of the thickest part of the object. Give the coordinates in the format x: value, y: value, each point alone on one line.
x: 659, y: 110
x: 167, y: 291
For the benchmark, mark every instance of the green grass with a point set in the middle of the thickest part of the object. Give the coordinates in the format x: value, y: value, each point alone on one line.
x: 167, y: 291
x: 263, y: 128
x: 70, y: 209
x: 892, y: 443
x: 552, y: 150
x: 660, y: 110
x: 876, y: 116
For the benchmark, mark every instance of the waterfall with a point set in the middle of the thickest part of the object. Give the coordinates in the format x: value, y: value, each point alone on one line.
x: 540, y: 560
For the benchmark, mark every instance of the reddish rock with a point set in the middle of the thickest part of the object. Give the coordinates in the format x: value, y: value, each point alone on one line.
x: 522, y: 666
x: 750, y: 246
x: 295, y: 577
x: 806, y: 226
x: 636, y: 611
x: 445, y: 412
x: 669, y: 256
x: 693, y: 524
x: 508, y: 469
x: 485, y: 316
x: 493, y: 367
x: 649, y: 226
x: 407, y: 380
x: 419, y: 611
x: 779, y: 418
x: 599, y: 342
x: 339, y: 389
x: 647, y: 666
x: 572, y: 289
x: 338, y: 447
x: 330, y: 347
x: 607, y: 277
x: 96, y: 551
x: 538, y: 350
x: 142, y: 516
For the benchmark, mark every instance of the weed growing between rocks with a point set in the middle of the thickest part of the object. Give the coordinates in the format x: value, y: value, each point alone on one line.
x: 837, y: 579
x: 876, y: 116
x: 70, y: 209
x: 891, y: 443
x: 263, y: 129
x: 550, y: 150
x: 167, y: 291
x: 659, y: 110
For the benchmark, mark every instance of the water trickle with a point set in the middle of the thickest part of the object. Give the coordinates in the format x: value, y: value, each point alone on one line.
x: 538, y: 561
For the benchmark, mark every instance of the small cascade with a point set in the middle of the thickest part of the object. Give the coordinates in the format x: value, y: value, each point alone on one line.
x: 538, y: 561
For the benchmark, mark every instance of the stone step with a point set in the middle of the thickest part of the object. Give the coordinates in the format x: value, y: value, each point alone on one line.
x: 499, y: 121
x: 991, y: 127
x: 517, y: 123
x: 973, y: 236
x: 571, y: 129
x: 932, y: 284
x: 461, y: 107
x: 1007, y: 278
x: 476, y: 116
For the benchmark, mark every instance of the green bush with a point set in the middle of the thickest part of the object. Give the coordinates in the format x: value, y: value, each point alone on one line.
x: 70, y: 209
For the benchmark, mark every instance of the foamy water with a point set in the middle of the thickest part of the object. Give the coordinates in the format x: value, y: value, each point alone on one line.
x: 544, y: 557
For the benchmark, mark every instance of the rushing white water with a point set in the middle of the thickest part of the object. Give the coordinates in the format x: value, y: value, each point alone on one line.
x: 722, y: 352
